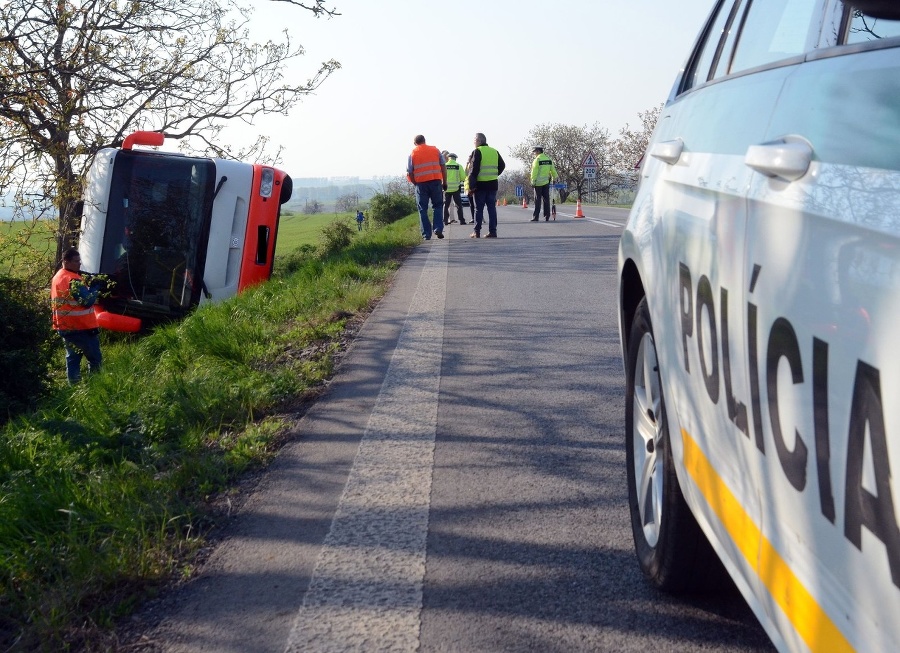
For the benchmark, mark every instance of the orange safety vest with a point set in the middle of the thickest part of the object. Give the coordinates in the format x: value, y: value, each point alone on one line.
x: 426, y: 164
x: 68, y: 314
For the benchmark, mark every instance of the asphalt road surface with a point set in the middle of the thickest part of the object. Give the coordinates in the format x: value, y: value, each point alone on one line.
x: 461, y: 486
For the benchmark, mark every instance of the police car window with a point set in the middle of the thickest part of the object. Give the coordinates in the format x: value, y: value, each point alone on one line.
x: 864, y: 29
x: 773, y: 30
x: 699, y: 71
x: 724, y: 59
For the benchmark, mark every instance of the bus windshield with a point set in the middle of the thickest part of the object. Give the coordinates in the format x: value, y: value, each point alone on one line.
x: 157, y: 229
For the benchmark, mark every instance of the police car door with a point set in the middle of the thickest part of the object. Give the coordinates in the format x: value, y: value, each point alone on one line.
x: 823, y: 262
x: 702, y: 137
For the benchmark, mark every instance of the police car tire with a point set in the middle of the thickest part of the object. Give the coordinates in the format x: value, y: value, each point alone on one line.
x: 680, y: 559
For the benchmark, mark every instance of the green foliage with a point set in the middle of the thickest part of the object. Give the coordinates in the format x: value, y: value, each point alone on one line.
x: 110, y: 485
x: 336, y: 236
x: 25, y: 346
x: 385, y: 209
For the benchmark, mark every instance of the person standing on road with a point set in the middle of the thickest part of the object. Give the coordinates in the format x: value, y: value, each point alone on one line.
x: 542, y: 172
x: 73, y: 316
x: 455, y: 176
x: 425, y: 169
x: 467, y: 189
x: 486, y: 168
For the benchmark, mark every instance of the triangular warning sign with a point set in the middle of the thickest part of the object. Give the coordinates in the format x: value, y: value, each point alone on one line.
x: 589, y: 161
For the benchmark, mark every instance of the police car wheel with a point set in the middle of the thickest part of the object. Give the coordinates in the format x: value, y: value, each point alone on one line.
x: 673, y: 552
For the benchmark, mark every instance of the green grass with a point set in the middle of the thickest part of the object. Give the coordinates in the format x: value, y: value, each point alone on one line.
x: 110, y: 487
x: 296, y: 229
x: 27, y: 248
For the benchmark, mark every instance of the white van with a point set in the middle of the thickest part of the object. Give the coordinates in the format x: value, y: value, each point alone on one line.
x: 759, y: 310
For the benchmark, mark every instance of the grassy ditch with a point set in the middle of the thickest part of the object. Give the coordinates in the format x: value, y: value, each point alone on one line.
x: 110, y: 487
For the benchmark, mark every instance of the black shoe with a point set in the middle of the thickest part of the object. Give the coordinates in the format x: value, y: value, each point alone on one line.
x: 439, y: 234
x: 534, y: 219
x: 462, y: 222
x: 491, y: 236
x: 546, y: 219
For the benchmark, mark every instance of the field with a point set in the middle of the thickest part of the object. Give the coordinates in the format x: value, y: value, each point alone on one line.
x: 295, y: 229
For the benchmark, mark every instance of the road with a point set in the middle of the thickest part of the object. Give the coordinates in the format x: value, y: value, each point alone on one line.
x: 461, y: 486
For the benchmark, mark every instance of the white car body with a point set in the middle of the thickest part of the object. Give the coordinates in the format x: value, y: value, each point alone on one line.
x: 765, y: 241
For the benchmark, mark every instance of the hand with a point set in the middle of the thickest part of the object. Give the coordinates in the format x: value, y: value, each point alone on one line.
x: 444, y: 186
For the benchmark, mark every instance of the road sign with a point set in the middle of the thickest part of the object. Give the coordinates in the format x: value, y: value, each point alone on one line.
x: 590, y: 173
x: 590, y: 161
x: 560, y: 186
x: 520, y: 191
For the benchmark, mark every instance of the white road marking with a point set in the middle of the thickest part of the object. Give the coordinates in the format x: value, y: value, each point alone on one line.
x: 366, y: 590
x: 605, y: 223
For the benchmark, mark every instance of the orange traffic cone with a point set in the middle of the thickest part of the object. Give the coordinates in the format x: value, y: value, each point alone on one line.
x: 504, y: 201
x: 524, y: 202
x: 578, y: 213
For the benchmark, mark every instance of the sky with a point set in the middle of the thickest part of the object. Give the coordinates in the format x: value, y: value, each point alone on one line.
x: 450, y: 69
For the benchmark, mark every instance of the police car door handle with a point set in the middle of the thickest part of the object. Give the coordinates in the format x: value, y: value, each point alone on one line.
x: 787, y: 158
x: 668, y: 151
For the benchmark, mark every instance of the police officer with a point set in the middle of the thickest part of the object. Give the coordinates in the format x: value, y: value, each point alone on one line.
x: 455, y: 176
x: 542, y: 172
x: 486, y: 167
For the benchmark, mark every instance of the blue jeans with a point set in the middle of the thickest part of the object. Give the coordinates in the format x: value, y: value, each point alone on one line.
x: 82, y: 343
x: 489, y: 198
x: 425, y: 191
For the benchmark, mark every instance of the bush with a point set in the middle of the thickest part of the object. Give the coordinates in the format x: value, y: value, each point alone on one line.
x: 300, y: 257
x: 26, y: 347
x: 336, y: 236
x: 385, y: 209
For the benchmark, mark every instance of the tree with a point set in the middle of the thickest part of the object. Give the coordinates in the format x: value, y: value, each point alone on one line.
x: 567, y: 145
x: 630, y: 146
x: 76, y: 76
x: 312, y: 207
x: 510, y: 179
x: 397, y: 186
x: 346, y: 203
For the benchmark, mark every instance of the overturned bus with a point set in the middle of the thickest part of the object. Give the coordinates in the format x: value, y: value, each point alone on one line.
x: 173, y: 231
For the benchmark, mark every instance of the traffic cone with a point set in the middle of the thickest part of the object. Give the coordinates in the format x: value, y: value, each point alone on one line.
x: 504, y: 201
x: 578, y: 213
x: 553, y: 210
x: 524, y: 202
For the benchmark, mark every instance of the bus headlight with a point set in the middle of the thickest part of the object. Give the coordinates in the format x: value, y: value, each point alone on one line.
x: 267, y: 182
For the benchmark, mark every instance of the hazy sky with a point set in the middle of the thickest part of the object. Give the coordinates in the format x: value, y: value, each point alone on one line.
x: 450, y: 69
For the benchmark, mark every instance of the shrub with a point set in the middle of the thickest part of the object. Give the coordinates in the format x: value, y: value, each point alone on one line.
x: 289, y: 263
x: 385, y: 209
x: 336, y: 236
x: 26, y: 347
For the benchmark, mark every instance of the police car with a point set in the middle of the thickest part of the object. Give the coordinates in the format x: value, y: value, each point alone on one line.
x: 759, y: 313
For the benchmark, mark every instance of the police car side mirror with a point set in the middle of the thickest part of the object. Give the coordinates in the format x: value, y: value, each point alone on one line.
x: 888, y: 9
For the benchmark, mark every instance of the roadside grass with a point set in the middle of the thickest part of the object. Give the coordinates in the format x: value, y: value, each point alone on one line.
x: 111, y: 487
